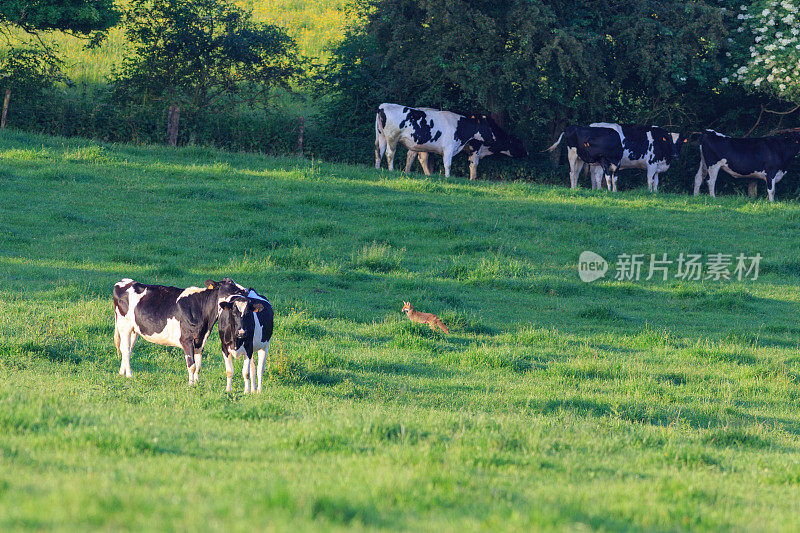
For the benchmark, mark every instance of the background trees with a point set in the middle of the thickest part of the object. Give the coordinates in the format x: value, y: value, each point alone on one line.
x: 202, y: 54
x: 30, y: 65
x: 533, y: 64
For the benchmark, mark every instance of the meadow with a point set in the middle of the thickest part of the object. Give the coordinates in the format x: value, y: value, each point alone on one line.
x: 552, y: 405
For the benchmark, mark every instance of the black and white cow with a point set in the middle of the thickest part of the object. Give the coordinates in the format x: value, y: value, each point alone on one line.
x: 649, y: 148
x: 169, y: 316
x: 765, y: 158
x: 594, y: 146
x: 424, y: 130
x: 245, y: 326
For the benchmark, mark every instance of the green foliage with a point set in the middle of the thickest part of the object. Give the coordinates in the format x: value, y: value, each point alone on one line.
x: 770, y: 54
x: 85, y: 17
x: 28, y: 70
x: 201, y: 53
x: 533, y: 63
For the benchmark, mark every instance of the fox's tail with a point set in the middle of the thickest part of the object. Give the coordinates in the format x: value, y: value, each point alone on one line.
x: 442, y: 326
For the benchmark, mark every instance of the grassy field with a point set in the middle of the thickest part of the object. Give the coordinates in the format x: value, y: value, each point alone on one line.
x: 553, y: 405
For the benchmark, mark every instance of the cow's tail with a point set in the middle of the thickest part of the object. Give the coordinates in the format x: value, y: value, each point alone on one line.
x: 555, y: 145
x: 380, y: 139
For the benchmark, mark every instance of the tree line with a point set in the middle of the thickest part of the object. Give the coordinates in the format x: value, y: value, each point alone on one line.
x: 196, y: 67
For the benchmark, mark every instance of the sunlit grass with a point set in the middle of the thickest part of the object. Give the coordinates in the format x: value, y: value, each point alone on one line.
x: 553, y: 404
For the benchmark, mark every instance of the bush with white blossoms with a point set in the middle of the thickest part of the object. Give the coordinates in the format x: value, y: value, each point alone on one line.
x: 772, y: 62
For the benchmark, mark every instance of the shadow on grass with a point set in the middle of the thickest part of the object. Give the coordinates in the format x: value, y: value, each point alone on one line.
x: 722, y: 434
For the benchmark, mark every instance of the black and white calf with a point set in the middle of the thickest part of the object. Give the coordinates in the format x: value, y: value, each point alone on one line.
x: 649, y: 148
x: 424, y: 130
x: 594, y: 146
x: 169, y: 316
x: 765, y: 158
x: 245, y: 326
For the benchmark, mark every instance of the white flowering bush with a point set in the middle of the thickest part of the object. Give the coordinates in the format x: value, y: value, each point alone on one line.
x: 772, y: 61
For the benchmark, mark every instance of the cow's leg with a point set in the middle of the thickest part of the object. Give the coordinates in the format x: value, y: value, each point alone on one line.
x: 423, y: 160
x: 410, y: 157
x: 122, y: 339
x: 252, y: 375
x: 228, y: 370
x: 188, y: 350
x: 262, y: 356
x: 713, y: 171
x: 447, y: 156
x: 702, y: 170
x: 652, y: 177
x: 575, y: 165
x: 246, y: 372
x: 773, y: 177
x: 473, y: 166
x: 613, y: 169
x: 128, y: 372
x: 198, y: 360
x: 380, y: 149
x: 596, y: 176
x: 391, y: 148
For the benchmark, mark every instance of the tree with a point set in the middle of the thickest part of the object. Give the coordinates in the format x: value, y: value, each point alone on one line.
x: 27, y: 71
x: 30, y: 67
x: 531, y: 62
x: 83, y: 18
x: 771, y: 60
x: 202, y: 54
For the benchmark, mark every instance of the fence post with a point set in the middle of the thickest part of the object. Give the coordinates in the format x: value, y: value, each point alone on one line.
x: 5, y: 109
x: 752, y: 188
x: 302, y: 131
x: 173, y: 120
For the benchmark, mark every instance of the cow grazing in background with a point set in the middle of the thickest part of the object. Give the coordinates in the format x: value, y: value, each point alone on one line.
x: 649, y: 148
x: 595, y: 146
x: 169, y: 316
x: 424, y: 130
x: 766, y: 158
x: 245, y: 326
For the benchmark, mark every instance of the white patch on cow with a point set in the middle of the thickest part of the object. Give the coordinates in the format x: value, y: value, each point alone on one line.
x: 169, y: 336
x: 718, y: 134
x: 190, y: 290
x: 675, y: 137
x: 758, y: 174
x: 241, y: 306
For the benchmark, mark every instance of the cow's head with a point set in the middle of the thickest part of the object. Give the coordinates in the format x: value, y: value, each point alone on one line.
x: 226, y: 288
x: 504, y: 143
x: 236, y: 321
x: 675, y: 141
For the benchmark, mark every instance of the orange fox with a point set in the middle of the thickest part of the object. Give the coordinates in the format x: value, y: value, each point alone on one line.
x: 423, y: 318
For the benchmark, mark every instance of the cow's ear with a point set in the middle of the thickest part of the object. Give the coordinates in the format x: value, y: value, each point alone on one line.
x: 257, y: 308
x: 211, y: 284
x: 225, y: 305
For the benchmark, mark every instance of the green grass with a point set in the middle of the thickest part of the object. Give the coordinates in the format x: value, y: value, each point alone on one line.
x: 552, y: 405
